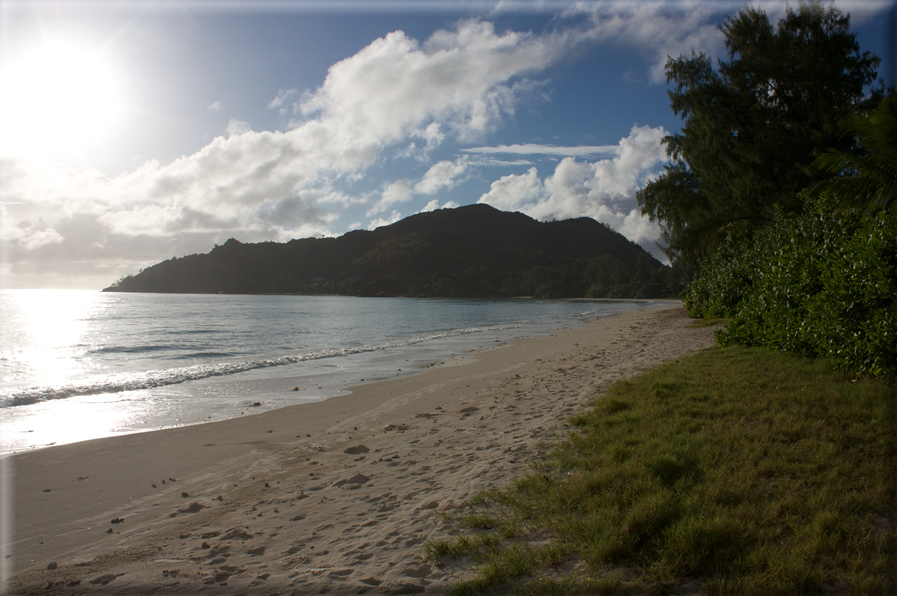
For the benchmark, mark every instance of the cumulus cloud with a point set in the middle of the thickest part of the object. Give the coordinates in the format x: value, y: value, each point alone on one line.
x: 654, y: 30
x: 237, y: 127
x: 384, y: 221
x: 215, y: 106
x: 395, y: 192
x: 459, y: 83
x: 434, y: 205
x: 534, y: 149
x: 444, y: 175
x: 283, y: 101
x: 515, y: 191
x: 397, y: 93
x: 40, y: 238
x: 604, y: 190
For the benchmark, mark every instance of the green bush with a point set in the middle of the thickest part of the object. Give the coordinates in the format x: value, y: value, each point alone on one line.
x: 821, y: 284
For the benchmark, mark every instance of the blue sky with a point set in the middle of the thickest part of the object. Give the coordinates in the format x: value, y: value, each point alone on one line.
x: 131, y: 132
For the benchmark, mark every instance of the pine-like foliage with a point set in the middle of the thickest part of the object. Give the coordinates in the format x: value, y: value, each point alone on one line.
x: 753, y: 126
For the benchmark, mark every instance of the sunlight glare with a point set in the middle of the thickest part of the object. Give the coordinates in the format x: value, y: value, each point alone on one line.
x: 51, y: 325
x: 56, y: 98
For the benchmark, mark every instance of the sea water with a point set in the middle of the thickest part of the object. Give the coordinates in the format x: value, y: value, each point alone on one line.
x: 78, y: 365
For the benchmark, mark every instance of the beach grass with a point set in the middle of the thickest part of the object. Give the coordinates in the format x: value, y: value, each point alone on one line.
x: 732, y: 471
x: 698, y: 323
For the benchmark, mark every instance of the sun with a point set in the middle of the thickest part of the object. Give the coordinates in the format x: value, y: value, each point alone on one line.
x: 56, y: 98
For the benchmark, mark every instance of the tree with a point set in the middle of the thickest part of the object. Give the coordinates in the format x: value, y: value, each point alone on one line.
x: 753, y: 126
x: 865, y: 179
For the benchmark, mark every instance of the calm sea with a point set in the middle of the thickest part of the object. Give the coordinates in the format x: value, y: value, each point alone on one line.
x: 76, y: 365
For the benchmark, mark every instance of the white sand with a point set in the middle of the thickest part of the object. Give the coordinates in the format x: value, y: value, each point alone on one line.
x: 336, y: 496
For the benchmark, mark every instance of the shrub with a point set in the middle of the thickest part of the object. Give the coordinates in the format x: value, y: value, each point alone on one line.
x: 821, y: 284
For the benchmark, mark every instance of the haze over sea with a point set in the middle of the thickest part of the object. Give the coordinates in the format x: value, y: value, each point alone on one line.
x: 77, y: 365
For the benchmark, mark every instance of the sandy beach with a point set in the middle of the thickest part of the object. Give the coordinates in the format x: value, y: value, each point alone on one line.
x: 335, y: 496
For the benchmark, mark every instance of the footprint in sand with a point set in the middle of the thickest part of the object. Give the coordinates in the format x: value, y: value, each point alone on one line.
x: 354, y: 482
x: 370, y: 581
x: 237, y: 534
x: 356, y: 450
x: 104, y: 579
x: 191, y: 508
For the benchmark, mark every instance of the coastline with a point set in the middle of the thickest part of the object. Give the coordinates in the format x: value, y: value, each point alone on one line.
x: 154, y: 380
x: 337, y: 494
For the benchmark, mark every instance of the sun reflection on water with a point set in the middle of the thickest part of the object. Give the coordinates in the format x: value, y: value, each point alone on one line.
x: 43, y: 334
x: 62, y: 421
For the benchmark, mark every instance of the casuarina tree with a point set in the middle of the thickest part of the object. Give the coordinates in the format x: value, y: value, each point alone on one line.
x: 754, y: 124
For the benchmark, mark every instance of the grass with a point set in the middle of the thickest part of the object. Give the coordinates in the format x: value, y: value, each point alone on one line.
x: 698, y: 323
x: 734, y: 471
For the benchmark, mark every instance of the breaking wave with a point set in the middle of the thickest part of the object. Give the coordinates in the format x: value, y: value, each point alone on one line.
x: 134, y: 381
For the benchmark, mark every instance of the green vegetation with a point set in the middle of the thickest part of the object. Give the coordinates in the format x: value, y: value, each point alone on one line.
x: 613, y: 278
x: 782, y: 188
x: 734, y: 471
x: 866, y: 179
x: 697, y: 324
x: 753, y: 126
x: 740, y: 470
x: 822, y: 284
x: 472, y: 252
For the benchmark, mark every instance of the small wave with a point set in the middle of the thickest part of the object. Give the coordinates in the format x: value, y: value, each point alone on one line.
x: 204, y: 355
x: 217, y: 329
x: 151, y: 379
x: 129, y: 349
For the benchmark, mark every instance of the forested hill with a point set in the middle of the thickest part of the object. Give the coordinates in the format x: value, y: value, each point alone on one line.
x: 472, y: 251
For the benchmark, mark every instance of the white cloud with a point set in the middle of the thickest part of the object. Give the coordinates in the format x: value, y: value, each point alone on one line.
x: 654, y: 30
x: 237, y: 127
x: 458, y: 82
x: 282, y: 101
x: 604, y: 190
x: 434, y: 205
x: 40, y: 238
x: 215, y: 106
x: 489, y: 162
x: 397, y: 92
x: 514, y: 192
x: 283, y: 97
x: 534, y: 149
x: 431, y: 206
x: 395, y: 192
x: 444, y: 175
x: 385, y: 221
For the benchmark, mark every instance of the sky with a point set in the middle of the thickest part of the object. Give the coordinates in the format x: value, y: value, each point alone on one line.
x: 132, y: 132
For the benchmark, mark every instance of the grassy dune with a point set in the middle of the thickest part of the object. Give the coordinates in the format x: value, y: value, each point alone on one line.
x: 734, y: 471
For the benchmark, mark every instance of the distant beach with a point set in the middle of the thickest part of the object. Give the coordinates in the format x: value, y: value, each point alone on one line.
x: 338, y: 495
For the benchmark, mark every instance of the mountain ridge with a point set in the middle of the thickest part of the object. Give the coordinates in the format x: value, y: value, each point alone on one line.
x: 470, y: 251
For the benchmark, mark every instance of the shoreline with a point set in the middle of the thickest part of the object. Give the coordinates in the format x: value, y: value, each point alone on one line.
x: 337, y: 494
x: 175, y: 395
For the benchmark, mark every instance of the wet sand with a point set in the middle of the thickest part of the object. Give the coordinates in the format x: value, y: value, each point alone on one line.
x: 337, y: 496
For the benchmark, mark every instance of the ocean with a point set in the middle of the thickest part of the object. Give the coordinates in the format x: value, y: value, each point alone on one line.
x: 78, y: 365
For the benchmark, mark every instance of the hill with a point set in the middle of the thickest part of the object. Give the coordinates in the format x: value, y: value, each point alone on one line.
x: 472, y: 251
